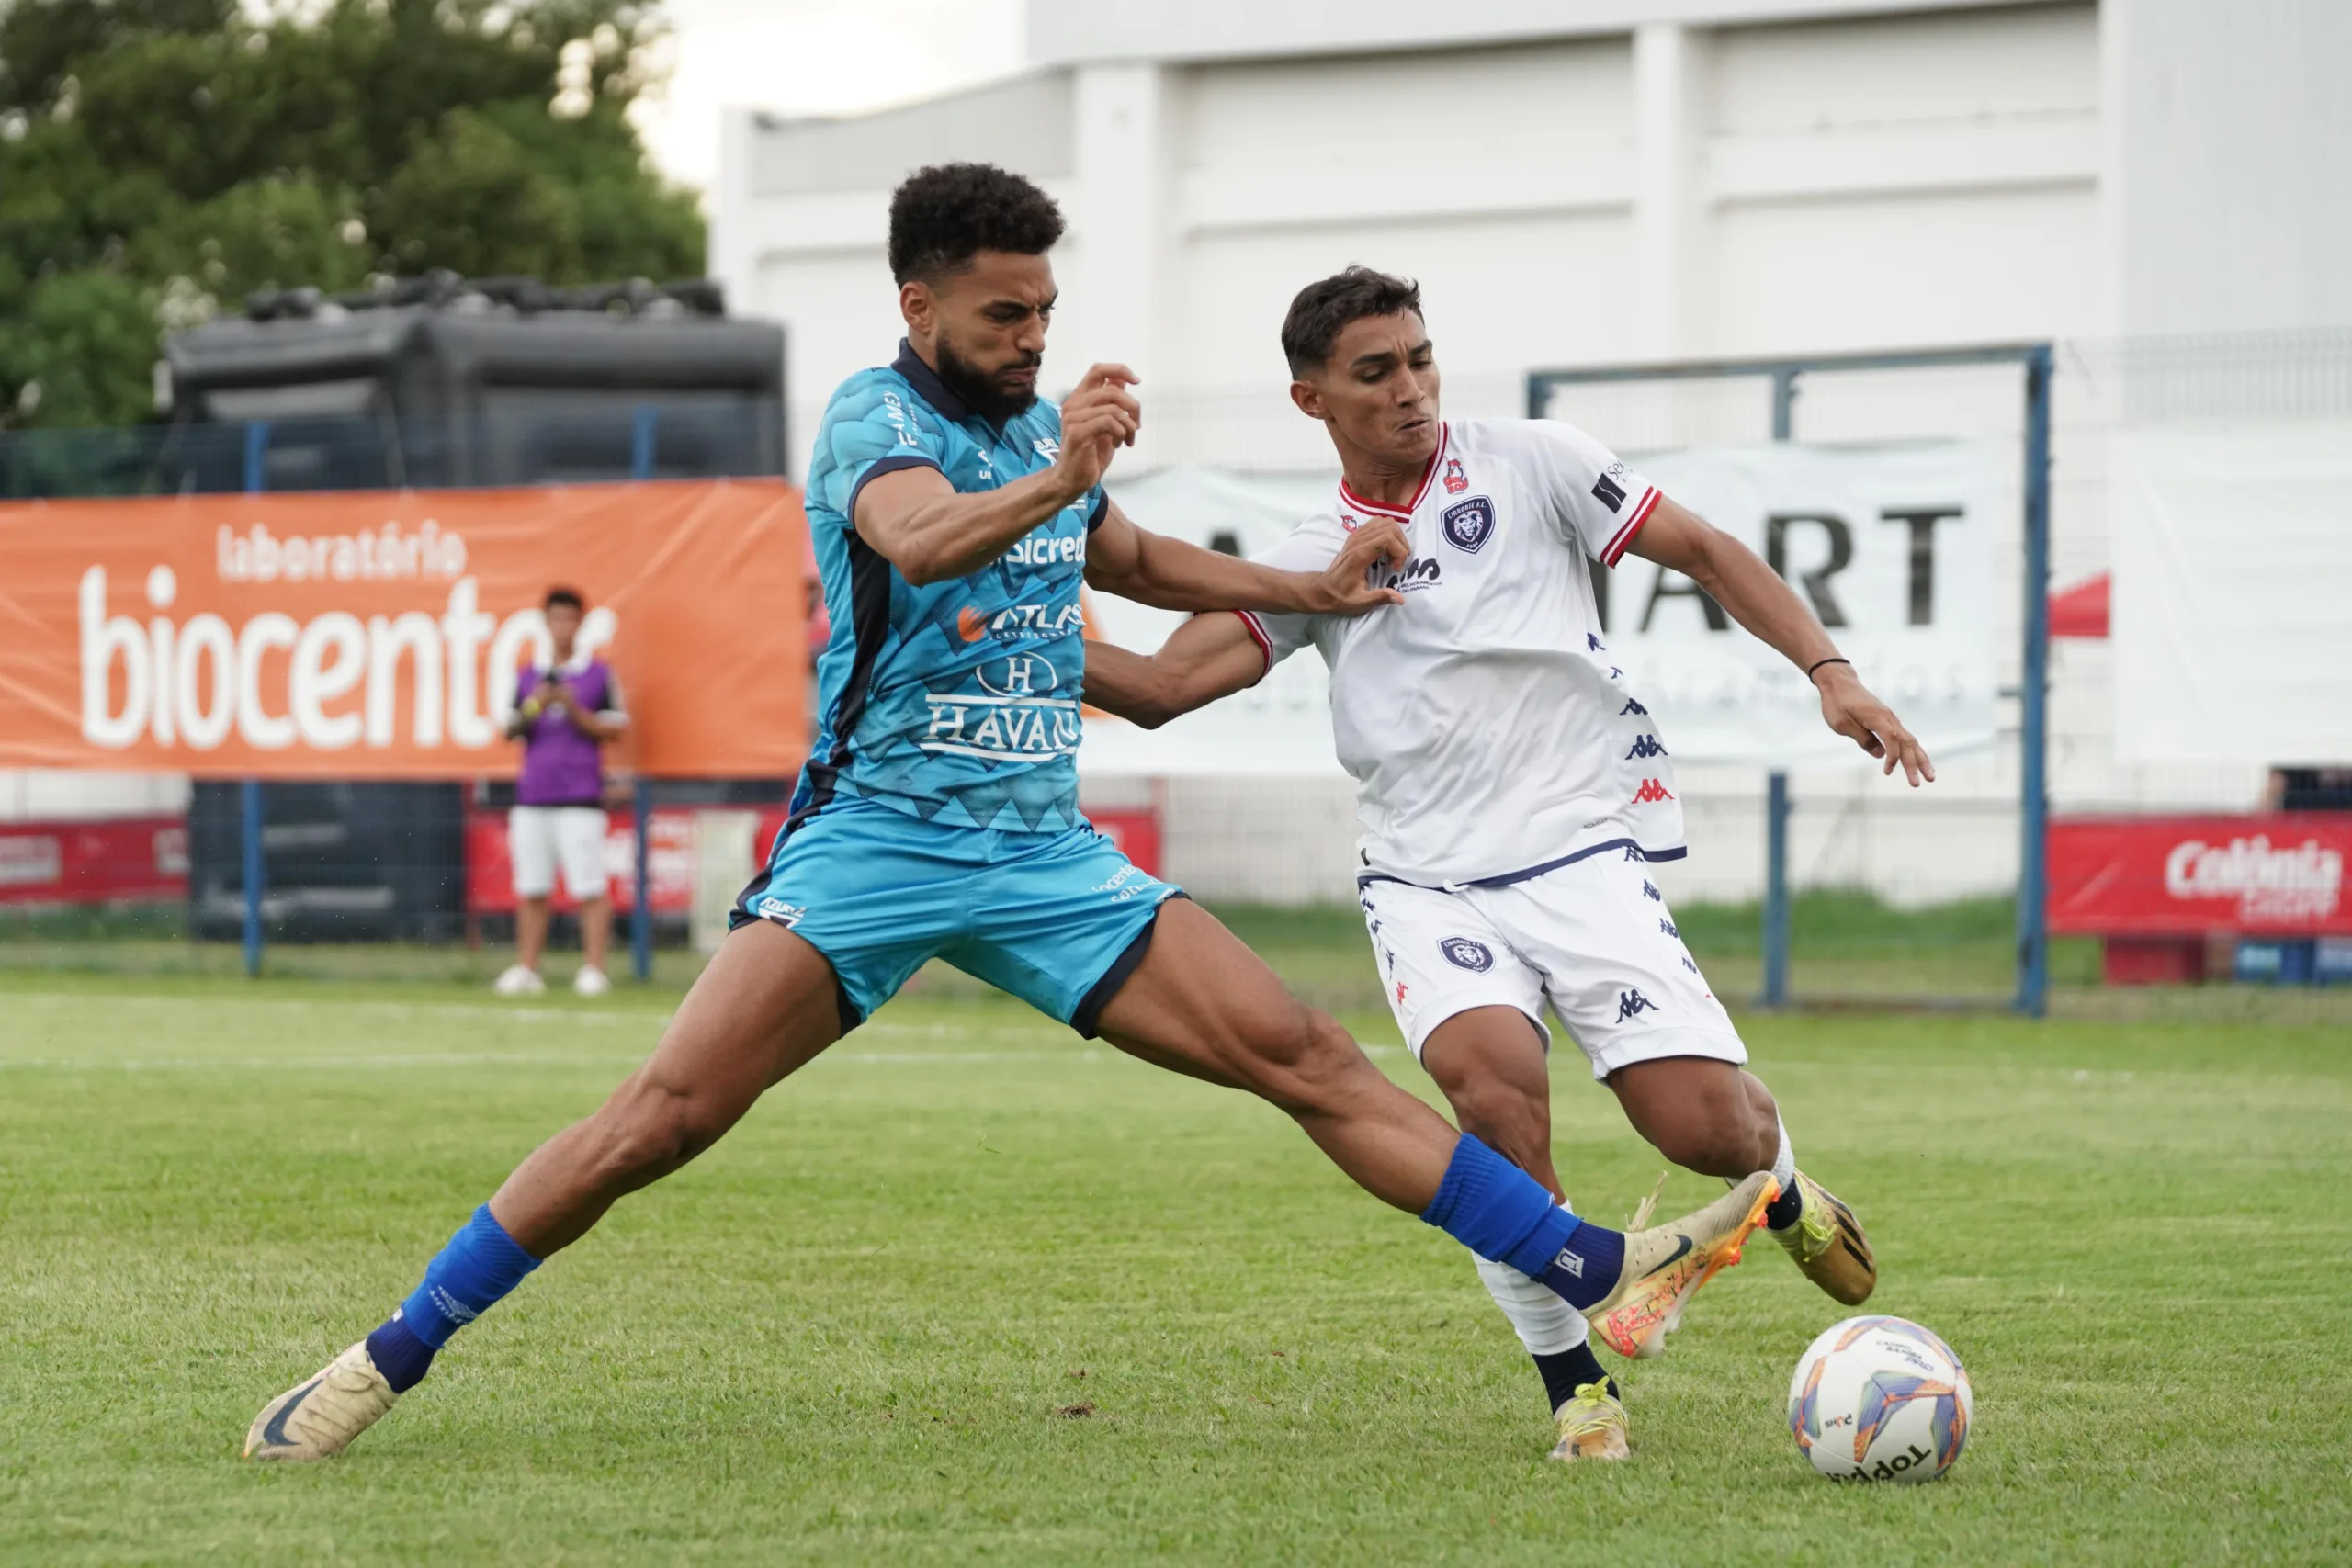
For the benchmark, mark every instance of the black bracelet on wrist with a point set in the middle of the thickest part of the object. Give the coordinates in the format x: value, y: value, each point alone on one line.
x: 1833, y: 658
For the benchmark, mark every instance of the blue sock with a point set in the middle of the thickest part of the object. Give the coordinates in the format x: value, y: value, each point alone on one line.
x: 477, y: 1268
x: 399, y: 1354
x: 1497, y: 1210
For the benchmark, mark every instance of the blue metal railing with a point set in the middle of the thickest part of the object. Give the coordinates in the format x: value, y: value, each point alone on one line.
x: 1784, y: 374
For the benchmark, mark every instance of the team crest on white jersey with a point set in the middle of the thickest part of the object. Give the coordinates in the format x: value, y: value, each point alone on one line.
x: 1469, y: 524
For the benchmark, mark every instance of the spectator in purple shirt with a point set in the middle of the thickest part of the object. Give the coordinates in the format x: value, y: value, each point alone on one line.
x: 564, y: 713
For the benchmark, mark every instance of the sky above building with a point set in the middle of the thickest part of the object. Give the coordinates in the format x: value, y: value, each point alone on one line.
x: 813, y: 57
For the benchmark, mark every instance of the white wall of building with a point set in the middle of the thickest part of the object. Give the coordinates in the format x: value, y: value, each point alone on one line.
x: 1616, y: 180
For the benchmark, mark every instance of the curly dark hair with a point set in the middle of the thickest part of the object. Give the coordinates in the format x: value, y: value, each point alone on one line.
x: 1323, y: 308
x: 942, y: 215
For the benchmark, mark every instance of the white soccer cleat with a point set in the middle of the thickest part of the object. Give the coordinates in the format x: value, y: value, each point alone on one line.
x: 518, y: 981
x: 591, y: 982
x: 318, y: 1417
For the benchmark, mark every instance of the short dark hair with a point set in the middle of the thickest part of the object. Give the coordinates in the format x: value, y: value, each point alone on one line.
x: 563, y: 596
x: 1323, y: 308
x: 944, y: 215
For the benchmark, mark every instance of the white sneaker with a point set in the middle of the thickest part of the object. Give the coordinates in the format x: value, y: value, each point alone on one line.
x: 518, y: 982
x: 591, y: 982
x: 320, y: 1415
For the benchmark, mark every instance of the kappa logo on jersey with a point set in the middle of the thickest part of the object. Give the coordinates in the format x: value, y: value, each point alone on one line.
x: 1463, y: 953
x: 1470, y: 524
x: 1630, y: 1002
x: 1456, y: 481
x: 1419, y: 571
x: 1633, y: 706
x: 1647, y: 746
x: 1651, y: 793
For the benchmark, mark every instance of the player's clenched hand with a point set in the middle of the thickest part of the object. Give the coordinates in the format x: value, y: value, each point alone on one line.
x: 1098, y: 418
x: 1358, y: 578
x: 1850, y: 710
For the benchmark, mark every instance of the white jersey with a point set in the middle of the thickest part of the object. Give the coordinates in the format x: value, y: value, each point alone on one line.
x: 1489, y: 734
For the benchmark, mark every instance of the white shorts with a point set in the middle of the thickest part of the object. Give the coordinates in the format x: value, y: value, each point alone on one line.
x: 540, y: 838
x: 1594, y: 939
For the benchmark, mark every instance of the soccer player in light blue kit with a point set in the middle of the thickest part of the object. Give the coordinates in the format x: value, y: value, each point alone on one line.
x: 955, y: 516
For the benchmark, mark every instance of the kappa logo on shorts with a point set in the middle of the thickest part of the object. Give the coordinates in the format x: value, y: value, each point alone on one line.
x: 1593, y: 644
x: 1631, y: 706
x: 1630, y: 1002
x: 1669, y: 927
x: 1469, y: 524
x: 1649, y: 891
x: 1651, y: 793
x: 1687, y: 964
x: 1463, y: 953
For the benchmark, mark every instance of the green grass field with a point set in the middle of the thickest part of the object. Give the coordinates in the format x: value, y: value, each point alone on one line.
x: 969, y: 1291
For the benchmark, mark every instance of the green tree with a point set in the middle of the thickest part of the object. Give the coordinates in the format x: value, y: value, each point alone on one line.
x: 161, y: 159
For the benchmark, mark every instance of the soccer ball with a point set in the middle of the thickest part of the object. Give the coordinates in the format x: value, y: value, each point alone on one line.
x: 1880, y: 1399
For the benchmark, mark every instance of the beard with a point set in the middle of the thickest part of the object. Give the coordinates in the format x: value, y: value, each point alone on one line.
x: 979, y: 391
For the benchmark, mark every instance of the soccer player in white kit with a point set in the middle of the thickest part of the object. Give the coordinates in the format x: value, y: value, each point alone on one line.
x: 1513, y: 790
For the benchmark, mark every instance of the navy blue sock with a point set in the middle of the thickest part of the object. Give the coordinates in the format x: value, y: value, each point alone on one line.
x: 1497, y: 1210
x: 399, y: 1354
x: 1569, y: 1371
x: 1782, y: 1212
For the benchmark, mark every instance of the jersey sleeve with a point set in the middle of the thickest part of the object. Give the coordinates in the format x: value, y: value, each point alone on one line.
x: 870, y: 430
x: 1308, y: 547
x: 1596, y: 500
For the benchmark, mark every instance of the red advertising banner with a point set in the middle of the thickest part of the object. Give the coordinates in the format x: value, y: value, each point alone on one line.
x: 93, y: 863
x: 2183, y: 875
x: 377, y: 635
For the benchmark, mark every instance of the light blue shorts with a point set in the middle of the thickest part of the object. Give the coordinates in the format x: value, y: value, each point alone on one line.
x: 1058, y: 920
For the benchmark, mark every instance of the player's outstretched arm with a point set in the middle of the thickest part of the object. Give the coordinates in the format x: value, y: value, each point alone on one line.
x: 1755, y: 596
x: 1207, y: 658
x: 930, y: 531
x: 1169, y: 574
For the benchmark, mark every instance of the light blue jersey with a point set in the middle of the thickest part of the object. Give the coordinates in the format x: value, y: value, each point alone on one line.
x: 957, y: 703
x: 938, y: 815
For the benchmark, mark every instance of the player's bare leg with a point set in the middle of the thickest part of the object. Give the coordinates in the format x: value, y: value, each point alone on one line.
x: 764, y: 1006
x: 1203, y: 1004
x: 1490, y: 1063
x: 764, y: 1009
x: 1716, y: 1118
x: 1241, y: 1029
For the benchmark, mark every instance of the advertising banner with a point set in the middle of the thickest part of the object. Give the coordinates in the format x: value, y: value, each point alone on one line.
x: 1892, y: 546
x: 377, y: 635
x: 2232, y: 569
x: 141, y: 858
x: 2183, y: 875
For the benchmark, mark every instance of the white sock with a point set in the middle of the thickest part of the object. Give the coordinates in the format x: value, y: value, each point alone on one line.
x: 1784, y: 1164
x: 1545, y: 1325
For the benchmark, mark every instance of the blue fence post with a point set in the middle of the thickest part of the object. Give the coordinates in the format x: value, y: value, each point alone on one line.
x: 2033, y: 871
x: 1776, y: 785
x: 253, y: 820
x: 1776, y: 889
x: 640, y: 926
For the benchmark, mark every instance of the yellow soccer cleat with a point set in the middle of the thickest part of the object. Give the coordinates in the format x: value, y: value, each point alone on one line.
x: 320, y: 1417
x: 1665, y: 1266
x: 1829, y: 1246
x: 1592, y: 1426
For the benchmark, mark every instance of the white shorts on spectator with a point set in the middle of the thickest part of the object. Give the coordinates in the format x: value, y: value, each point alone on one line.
x: 539, y: 838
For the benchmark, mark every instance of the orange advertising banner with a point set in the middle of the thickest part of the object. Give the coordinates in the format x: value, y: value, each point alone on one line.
x: 378, y: 635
